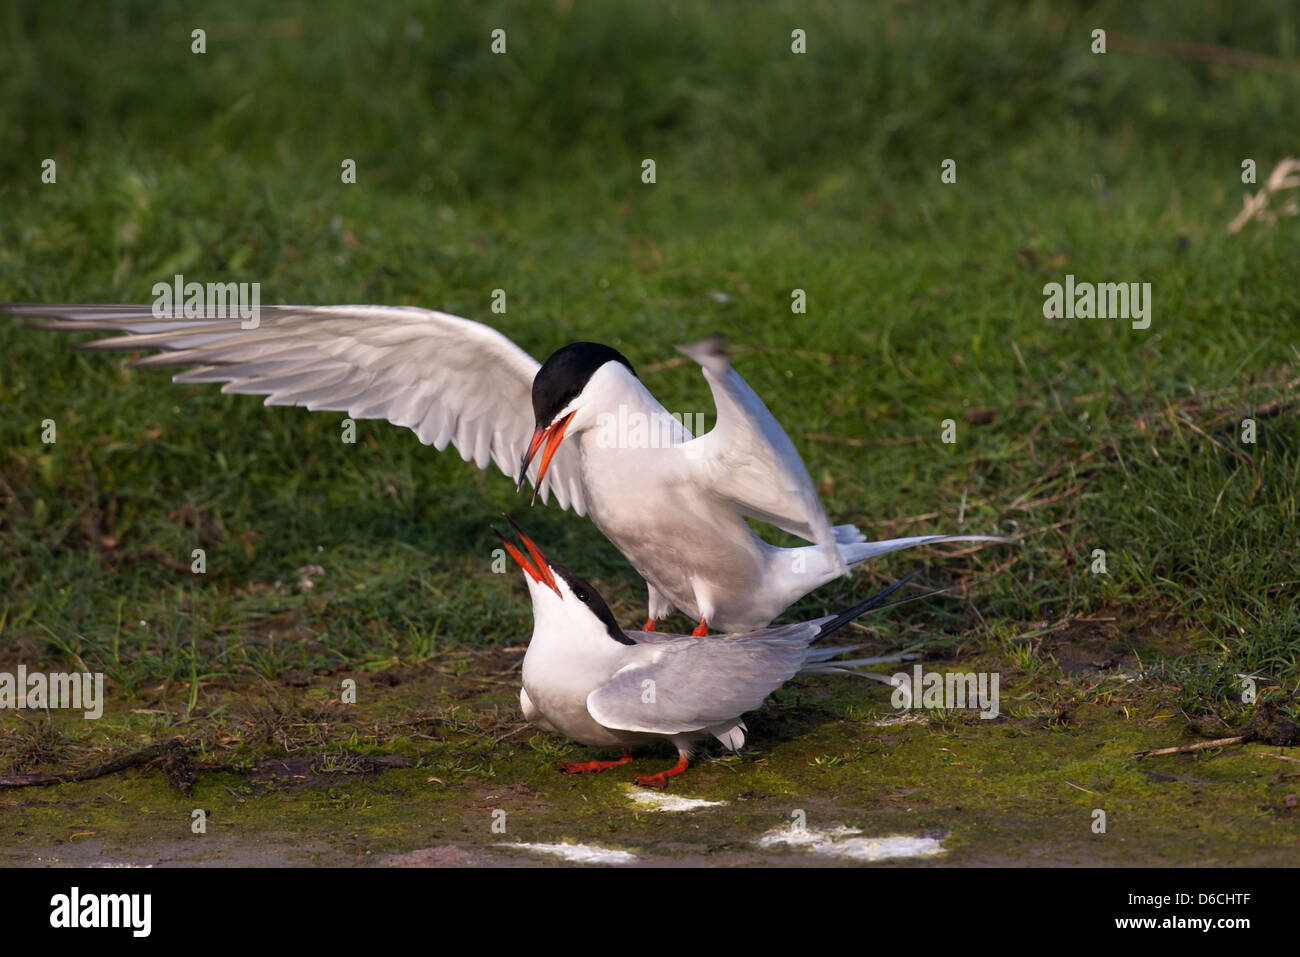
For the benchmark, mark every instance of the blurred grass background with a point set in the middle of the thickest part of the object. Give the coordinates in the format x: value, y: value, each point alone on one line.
x: 775, y: 171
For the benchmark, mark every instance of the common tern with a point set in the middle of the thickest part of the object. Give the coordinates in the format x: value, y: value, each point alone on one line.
x: 588, y: 679
x: 674, y: 504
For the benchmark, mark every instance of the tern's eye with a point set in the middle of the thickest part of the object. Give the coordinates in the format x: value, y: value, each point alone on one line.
x: 581, y: 595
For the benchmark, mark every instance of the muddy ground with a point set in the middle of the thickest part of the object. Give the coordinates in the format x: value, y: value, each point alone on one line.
x: 432, y: 766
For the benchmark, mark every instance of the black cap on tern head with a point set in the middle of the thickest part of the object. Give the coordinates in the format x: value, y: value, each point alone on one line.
x: 566, y: 373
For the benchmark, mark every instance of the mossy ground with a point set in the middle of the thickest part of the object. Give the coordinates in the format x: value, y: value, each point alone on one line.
x: 416, y: 771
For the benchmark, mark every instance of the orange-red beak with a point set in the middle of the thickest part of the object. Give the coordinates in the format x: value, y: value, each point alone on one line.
x: 539, y: 572
x: 552, y: 436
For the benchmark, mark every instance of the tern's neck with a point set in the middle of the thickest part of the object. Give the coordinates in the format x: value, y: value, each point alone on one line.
x: 619, y: 412
x: 614, y: 388
x: 638, y: 421
x: 571, y: 630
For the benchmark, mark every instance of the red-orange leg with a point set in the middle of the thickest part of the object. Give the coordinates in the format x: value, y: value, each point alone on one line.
x: 591, y: 767
x: 660, y: 780
x: 701, y: 629
x: 649, y: 625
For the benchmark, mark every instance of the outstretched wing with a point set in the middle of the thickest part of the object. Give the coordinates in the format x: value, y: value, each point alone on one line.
x: 446, y: 379
x: 749, y: 461
x: 678, y: 683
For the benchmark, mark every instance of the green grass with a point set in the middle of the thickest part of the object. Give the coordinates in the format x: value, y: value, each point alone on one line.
x: 775, y: 172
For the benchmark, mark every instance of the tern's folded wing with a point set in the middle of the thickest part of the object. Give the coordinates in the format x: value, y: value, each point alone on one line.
x: 690, y: 684
x: 748, y: 459
x: 445, y: 378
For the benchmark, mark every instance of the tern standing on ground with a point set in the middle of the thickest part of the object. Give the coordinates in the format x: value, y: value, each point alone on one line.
x: 585, y: 677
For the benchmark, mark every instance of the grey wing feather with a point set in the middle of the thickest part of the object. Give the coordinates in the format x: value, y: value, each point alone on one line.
x: 749, y: 460
x: 445, y: 378
x: 694, y: 683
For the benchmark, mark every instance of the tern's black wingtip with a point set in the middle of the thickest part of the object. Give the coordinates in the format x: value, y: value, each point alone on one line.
x: 862, y: 607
